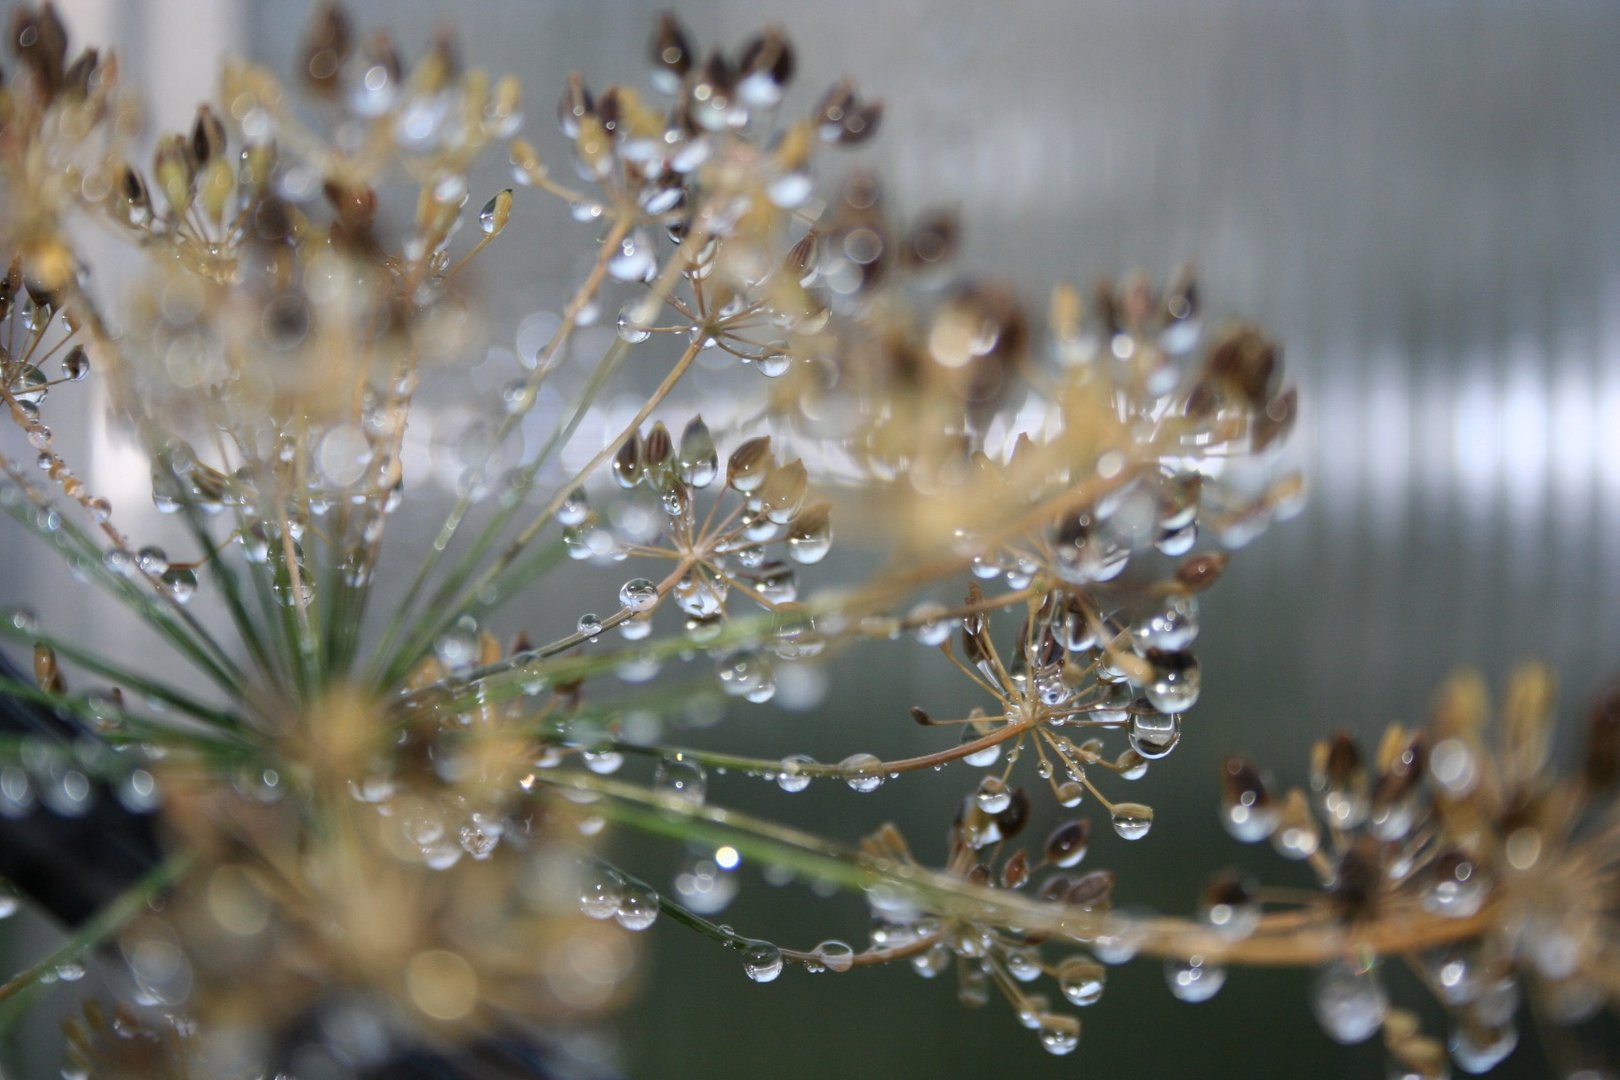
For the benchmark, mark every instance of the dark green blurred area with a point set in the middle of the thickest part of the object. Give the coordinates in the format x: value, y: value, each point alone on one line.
x: 1421, y: 201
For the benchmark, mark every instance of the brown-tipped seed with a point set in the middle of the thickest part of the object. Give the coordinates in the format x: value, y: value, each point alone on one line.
x: 1601, y: 763
x: 207, y: 135
x: 931, y: 241
x: 575, y: 105
x: 920, y: 716
x: 841, y: 118
x: 47, y: 673
x: 627, y: 470
x: 746, y: 469
x: 671, y: 54
x: 1093, y: 890
x: 174, y: 169
x: 327, y: 41
x: 1246, y: 363
x: 1200, y: 571
x: 1015, y: 871
x: 1067, y: 844
x: 1013, y: 819
x: 765, y: 66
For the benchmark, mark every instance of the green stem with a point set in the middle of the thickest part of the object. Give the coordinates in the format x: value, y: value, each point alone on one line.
x: 104, y: 923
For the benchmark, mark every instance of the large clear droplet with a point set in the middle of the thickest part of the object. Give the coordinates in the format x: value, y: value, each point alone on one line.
x: 600, y: 894
x: 1349, y: 1001
x: 1081, y: 980
x: 1132, y: 820
x: 862, y: 772
x: 1059, y: 1034
x: 638, y: 907
x: 681, y: 780
x: 793, y: 776
x: 762, y: 962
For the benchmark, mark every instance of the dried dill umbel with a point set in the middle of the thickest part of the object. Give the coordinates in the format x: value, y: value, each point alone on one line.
x: 379, y: 823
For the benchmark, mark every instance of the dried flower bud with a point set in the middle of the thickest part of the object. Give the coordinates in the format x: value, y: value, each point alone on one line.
x: 47, y: 673
x: 493, y: 217
x: 1357, y: 879
x: 764, y: 68
x: 1093, y: 890
x: 1246, y: 362
x: 174, y: 169
x: 843, y: 119
x: 1015, y: 871
x: 207, y: 136
x: 1013, y: 819
x: 1601, y: 763
x: 627, y: 471
x: 40, y: 40
x: 1199, y: 572
x: 671, y: 54
x: 574, y: 106
x: 783, y: 491
x: 327, y: 41
x: 746, y: 469
x: 1067, y: 844
x: 931, y: 241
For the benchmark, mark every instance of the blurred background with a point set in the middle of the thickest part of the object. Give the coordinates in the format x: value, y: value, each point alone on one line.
x: 1418, y: 200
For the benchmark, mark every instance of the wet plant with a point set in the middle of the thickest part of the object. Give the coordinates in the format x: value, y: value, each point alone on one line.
x: 380, y: 823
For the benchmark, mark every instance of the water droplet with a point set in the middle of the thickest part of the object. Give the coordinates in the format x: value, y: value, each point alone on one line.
x: 1246, y: 807
x: 9, y: 902
x: 629, y: 325
x: 835, y: 955
x: 993, y: 796
x: 600, y: 894
x: 762, y: 962
x: 590, y: 625
x: 603, y: 762
x: 698, y: 462
x: 1229, y: 907
x: 1456, y: 887
x: 182, y: 583
x: 793, y: 777
x: 574, y: 509
x: 1067, y: 844
x: 1081, y: 980
x: 638, y: 907
x: 983, y: 758
x: 1174, y: 683
x: 152, y: 560
x: 1154, y: 734
x: 1059, y: 1034
x: 638, y: 594
x: 862, y: 772
x: 1479, y: 1049
x: 1194, y: 979
x: 1169, y: 622
x: 633, y: 260
x: 1349, y: 1001
x: 930, y: 624
x: 681, y: 780
x: 1132, y: 820
x: 76, y: 364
